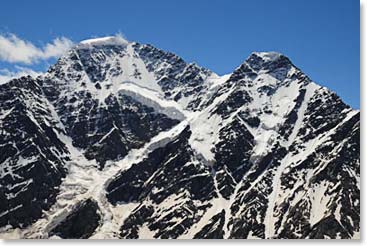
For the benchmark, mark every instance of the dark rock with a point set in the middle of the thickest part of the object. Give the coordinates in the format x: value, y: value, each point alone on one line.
x: 81, y: 223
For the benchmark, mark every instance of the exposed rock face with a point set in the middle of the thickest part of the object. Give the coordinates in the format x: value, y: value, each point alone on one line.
x: 32, y: 156
x: 123, y: 140
x: 100, y: 117
x: 81, y: 223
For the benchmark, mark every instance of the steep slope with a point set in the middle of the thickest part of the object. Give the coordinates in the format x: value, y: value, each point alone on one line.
x: 187, y: 84
x: 107, y: 100
x: 32, y: 157
x: 149, y: 146
x: 252, y: 138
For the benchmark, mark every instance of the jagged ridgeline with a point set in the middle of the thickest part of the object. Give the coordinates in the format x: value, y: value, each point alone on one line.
x: 124, y: 140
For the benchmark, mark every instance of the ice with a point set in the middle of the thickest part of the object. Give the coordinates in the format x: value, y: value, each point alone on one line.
x: 110, y: 40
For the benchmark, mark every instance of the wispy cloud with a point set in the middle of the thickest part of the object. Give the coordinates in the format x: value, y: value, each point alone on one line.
x: 16, y: 50
x: 6, y: 74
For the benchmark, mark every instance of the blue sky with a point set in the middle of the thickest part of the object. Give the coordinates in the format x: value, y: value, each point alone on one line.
x: 320, y: 36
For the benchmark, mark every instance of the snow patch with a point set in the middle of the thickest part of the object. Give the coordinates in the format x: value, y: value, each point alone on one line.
x: 110, y: 40
x: 319, y: 202
x: 268, y: 56
x: 204, y: 135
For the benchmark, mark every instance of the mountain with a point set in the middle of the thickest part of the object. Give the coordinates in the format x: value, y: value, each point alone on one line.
x: 123, y: 140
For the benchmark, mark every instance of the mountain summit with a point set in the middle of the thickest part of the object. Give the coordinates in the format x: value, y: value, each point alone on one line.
x: 123, y: 140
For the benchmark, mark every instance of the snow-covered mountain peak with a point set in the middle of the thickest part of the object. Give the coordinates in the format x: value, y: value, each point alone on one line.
x: 268, y: 61
x: 103, y: 67
x: 267, y: 56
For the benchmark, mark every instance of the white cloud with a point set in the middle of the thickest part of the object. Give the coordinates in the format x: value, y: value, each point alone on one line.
x: 16, y: 50
x: 57, y: 48
x: 6, y: 74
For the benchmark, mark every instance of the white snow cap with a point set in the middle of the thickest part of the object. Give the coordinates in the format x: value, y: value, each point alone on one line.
x: 268, y: 56
x: 117, y: 39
